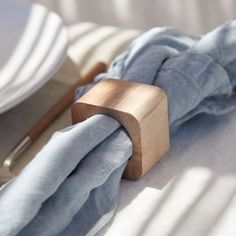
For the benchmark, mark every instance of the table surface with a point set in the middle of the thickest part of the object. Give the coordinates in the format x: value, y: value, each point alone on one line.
x: 191, y: 192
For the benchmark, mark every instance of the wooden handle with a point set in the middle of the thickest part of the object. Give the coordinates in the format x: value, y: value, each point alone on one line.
x: 65, y: 101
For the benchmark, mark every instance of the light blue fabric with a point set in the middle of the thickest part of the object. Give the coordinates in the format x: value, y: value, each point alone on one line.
x: 72, y: 186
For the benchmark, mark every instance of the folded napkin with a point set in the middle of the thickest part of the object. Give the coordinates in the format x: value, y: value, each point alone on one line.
x: 71, y: 187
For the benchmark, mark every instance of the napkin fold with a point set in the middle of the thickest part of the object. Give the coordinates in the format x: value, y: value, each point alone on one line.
x: 72, y: 186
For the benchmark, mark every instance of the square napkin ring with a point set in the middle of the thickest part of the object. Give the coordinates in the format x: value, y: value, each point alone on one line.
x: 141, y: 109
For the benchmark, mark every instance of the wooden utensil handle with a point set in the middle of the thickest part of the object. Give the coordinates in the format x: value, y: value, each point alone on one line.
x: 65, y: 101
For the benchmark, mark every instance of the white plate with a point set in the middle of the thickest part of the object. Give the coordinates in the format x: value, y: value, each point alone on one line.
x: 33, y: 44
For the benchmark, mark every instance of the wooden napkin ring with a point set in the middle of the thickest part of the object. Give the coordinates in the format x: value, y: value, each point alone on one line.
x: 142, y: 110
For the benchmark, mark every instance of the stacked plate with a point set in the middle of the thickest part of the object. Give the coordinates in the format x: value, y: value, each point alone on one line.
x: 33, y: 44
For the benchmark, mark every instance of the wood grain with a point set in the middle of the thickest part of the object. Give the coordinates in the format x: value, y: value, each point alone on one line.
x: 141, y: 109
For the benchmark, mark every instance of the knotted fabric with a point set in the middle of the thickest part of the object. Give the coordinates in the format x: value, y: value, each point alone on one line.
x: 71, y: 187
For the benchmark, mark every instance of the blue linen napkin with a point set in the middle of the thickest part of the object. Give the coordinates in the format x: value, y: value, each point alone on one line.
x: 71, y: 187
